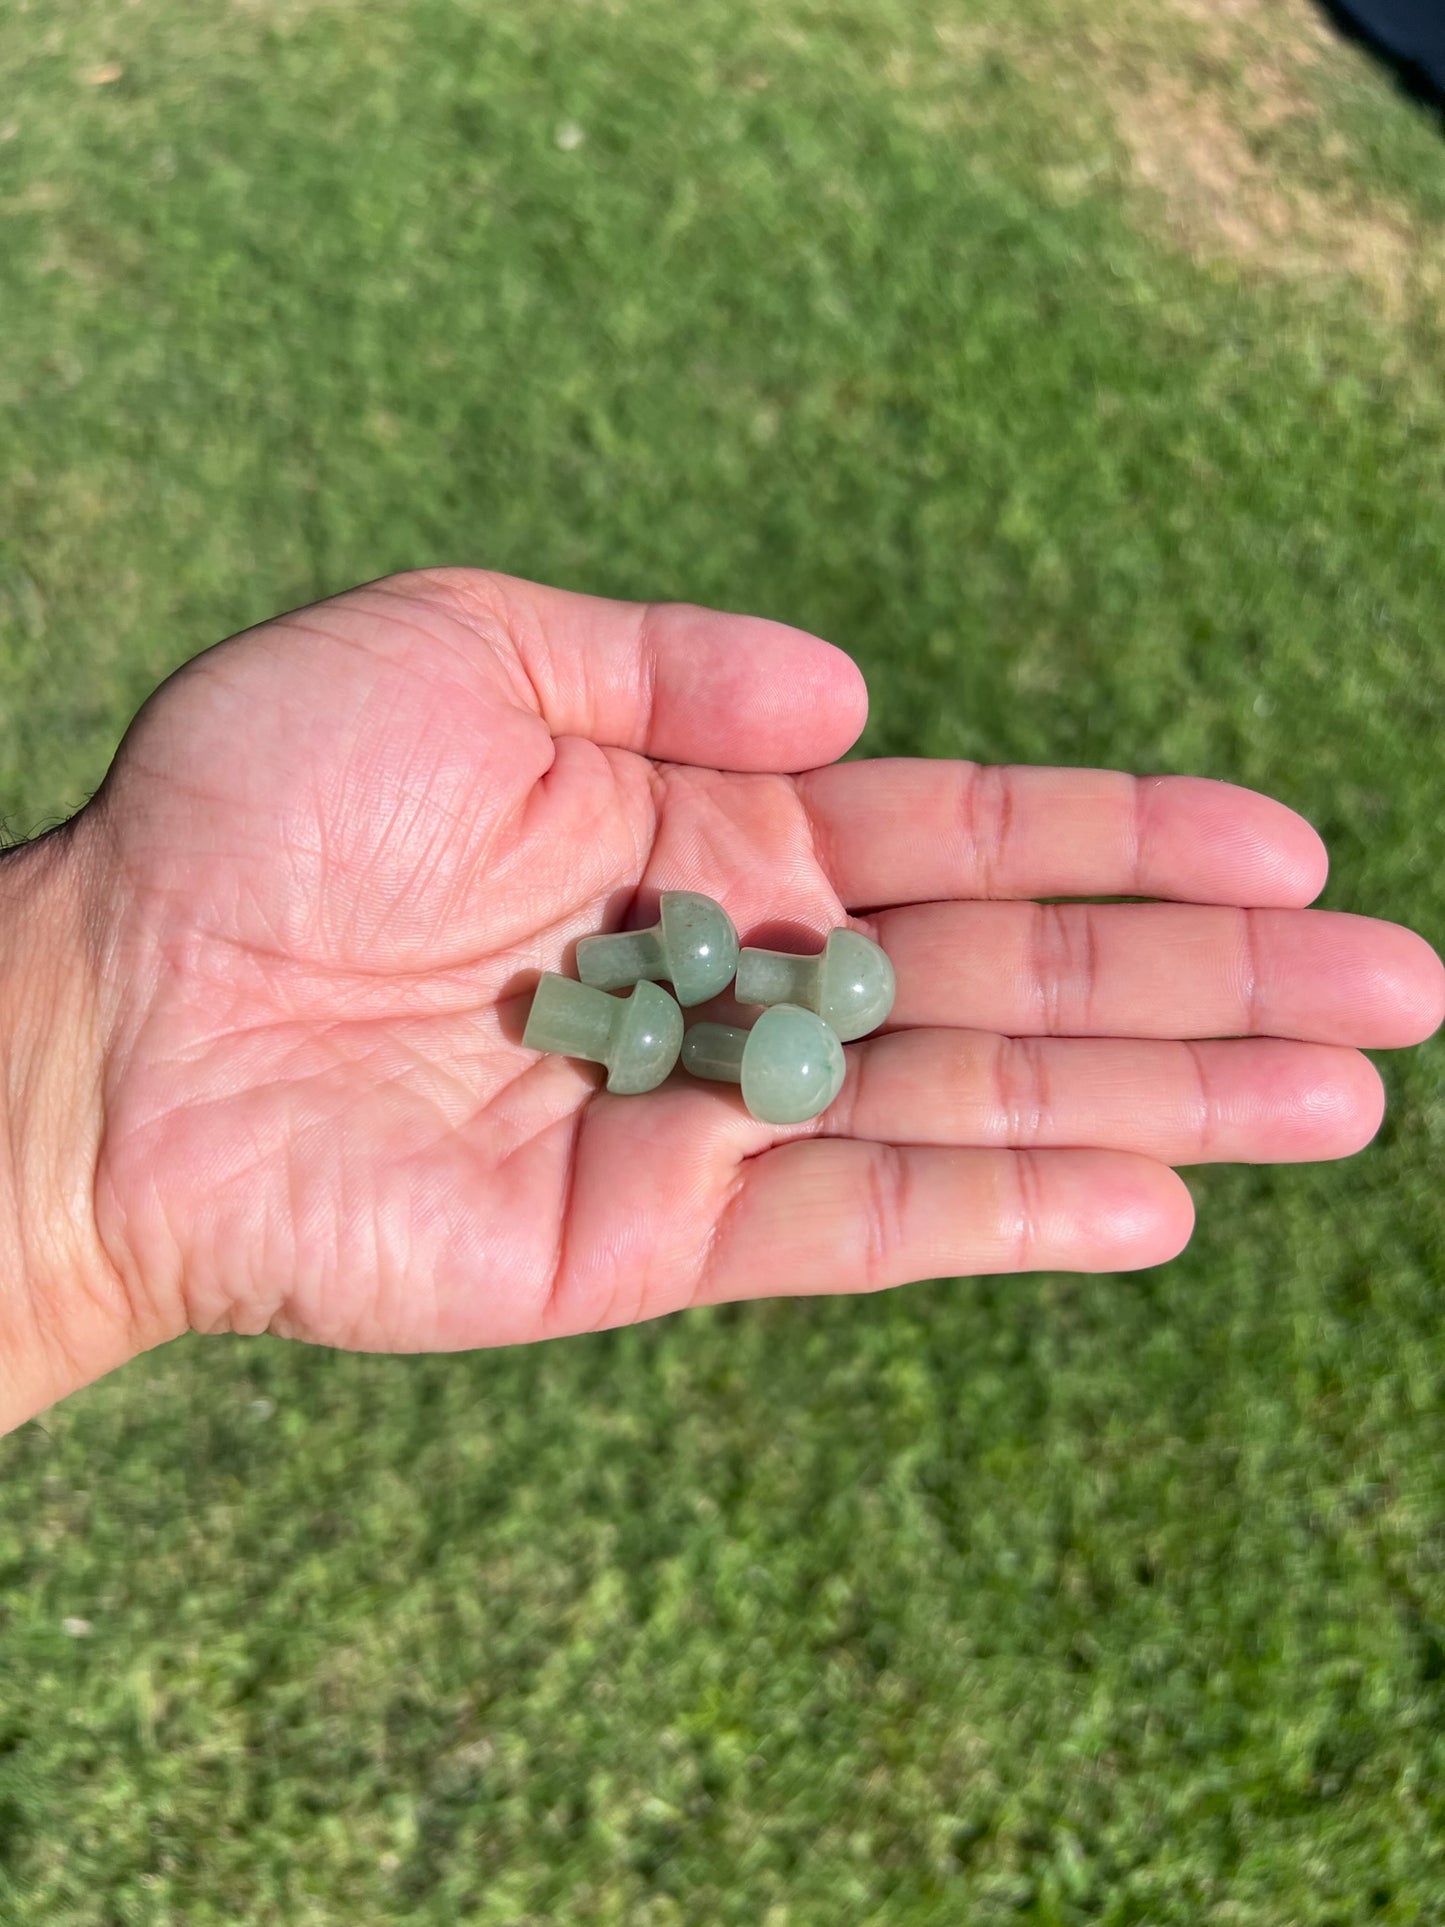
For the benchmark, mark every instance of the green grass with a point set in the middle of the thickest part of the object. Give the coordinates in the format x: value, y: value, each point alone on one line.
x: 1045, y: 1600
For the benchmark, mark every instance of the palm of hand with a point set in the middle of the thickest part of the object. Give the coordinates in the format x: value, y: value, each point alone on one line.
x: 348, y: 844
x: 337, y: 851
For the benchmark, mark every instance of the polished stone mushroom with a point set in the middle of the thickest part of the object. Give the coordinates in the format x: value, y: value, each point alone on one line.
x: 637, y: 1037
x: 790, y: 1064
x: 693, y: 945
x: 850, y: 983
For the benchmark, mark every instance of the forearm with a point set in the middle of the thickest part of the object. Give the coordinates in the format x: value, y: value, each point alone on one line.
x: 64, y: 1318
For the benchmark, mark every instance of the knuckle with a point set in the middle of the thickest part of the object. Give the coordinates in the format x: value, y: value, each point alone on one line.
x: 1026, y: 1212
x: 884, y: 1208
x: 987, y: 809
x: 1020, y: 1089
x: 1065, y: 967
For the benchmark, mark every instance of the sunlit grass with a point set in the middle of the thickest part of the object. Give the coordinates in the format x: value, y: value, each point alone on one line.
x: 1113, y: 1600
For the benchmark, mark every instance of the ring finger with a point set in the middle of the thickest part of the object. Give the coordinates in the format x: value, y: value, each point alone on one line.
x: 1249, y: 1102
x: 1161, y: 970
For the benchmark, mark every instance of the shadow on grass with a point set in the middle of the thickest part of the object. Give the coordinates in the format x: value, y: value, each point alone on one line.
x: 1396, y: 33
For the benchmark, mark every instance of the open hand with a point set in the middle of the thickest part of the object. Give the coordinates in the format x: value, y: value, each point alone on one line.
x: 334, y: 853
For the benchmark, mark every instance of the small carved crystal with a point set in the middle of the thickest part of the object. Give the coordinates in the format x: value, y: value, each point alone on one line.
x: 693, y: 945
x: 850, y: 984
x: 790, y: 1064
x: 637, y: 1037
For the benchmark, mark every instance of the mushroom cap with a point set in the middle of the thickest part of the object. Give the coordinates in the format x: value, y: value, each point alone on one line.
x: 858, y: 985
x: 645, y: 1041
x: 700, y: 944
x: 793, y: 1066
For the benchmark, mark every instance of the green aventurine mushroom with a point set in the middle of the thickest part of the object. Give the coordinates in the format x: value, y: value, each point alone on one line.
x: 790, y: 1064
x: 637, y: 1037
x: 693, y: 945
x: 850, y: 984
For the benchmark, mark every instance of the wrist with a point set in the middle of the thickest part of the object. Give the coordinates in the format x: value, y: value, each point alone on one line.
x: 64, y: 1315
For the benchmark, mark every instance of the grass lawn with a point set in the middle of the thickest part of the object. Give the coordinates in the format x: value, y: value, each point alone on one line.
x: 1080, y: 365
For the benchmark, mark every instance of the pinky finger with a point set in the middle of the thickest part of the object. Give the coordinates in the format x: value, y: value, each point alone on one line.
x: 841, y: 1216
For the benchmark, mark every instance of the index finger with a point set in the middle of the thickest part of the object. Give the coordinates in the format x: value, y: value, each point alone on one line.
x: 898, y: 830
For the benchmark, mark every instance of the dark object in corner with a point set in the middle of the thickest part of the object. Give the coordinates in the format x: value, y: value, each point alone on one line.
x: 1410, y: 32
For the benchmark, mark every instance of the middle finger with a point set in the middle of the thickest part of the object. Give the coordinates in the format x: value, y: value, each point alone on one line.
x: 1160, y: 970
